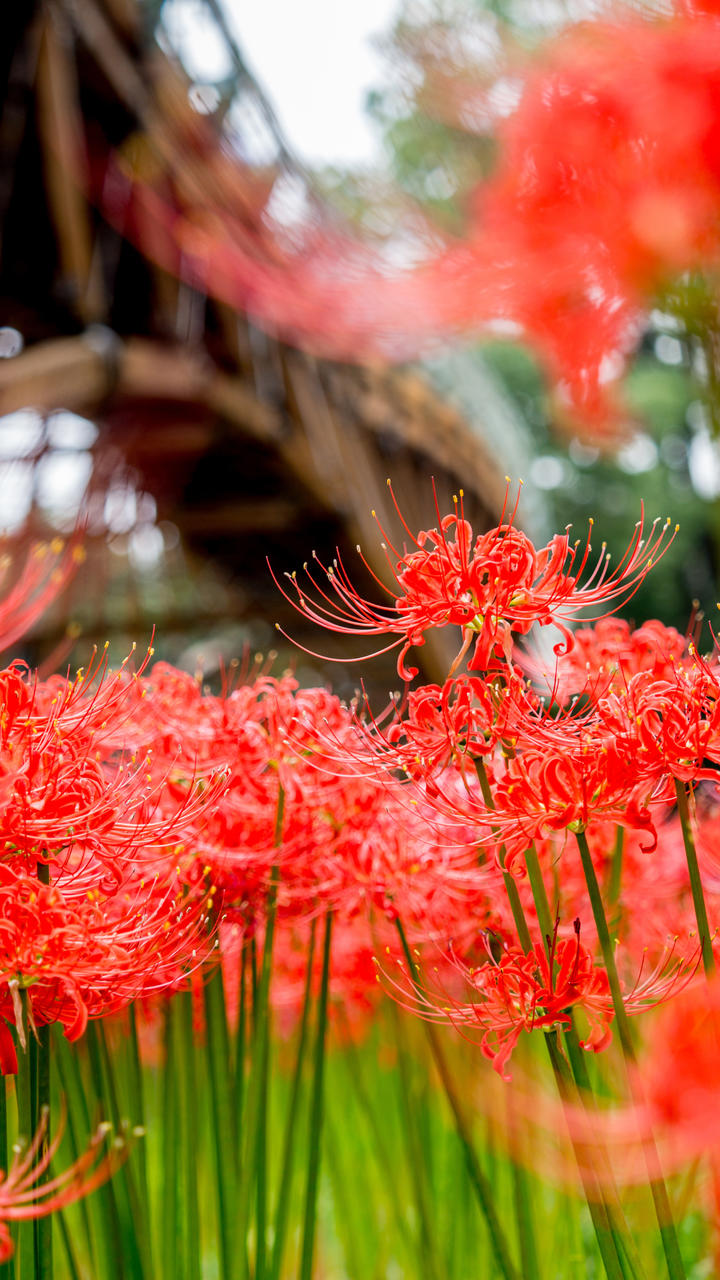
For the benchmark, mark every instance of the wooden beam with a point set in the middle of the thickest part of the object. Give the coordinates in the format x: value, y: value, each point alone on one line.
x: 63, y: 373
x: 79, y: 373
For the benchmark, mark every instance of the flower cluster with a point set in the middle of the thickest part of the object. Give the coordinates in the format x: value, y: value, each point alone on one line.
x: 94, y: 906
x: 489, y: 830
x: 539, y: 767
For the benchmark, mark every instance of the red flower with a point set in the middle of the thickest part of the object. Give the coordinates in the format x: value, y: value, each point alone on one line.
x: 490, y: 586
x: 605, y: 657
x: 668, y: 727
x: 43, y: 576
x: 81, y: 955
x: 584, y: 778
x: 523, y: 992
x: 21, y: 1199
x: 67, y: 792
x: 437, y: 726
x: 600, y: 197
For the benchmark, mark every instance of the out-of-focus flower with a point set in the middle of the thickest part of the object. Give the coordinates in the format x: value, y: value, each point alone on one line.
x: 679, y: 1072
x: 669, y: 726
x: 600, y: 200
x: 22, y: 1199
x: 604, y: 657
x: 47, y: 569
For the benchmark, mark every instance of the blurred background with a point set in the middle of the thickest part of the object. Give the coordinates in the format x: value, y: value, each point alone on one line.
x: 203, y: 207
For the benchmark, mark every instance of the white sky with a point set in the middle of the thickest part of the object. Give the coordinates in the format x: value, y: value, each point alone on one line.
x: 314, y: 59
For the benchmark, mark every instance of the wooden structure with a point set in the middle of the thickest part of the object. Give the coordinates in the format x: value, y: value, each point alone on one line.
x: 249, y: 448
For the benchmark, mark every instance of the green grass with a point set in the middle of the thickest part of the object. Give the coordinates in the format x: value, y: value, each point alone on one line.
x: 394, y: 1199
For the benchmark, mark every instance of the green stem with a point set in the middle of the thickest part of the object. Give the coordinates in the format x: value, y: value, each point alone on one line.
x: 25, y: 1253
x: 615, y: 878
x: 188, y: 1141
x: 316, y: 1113
x: 343, y: 1180
x: 658, y: 1189
x: 239, y: 1056
x: 253, y: 1174
x: 254, y: 980
x: 217, y: 1051
x: 41, y: 1108
x: 604, y: 1233
x: 608, y: 1232
x: 481, y: 1186
x: 72, y: 1262
x: 616, y: 1217
x: 6, y: 1269
x: 170, y: 1124
x: 40, y: 1056
x: 261, y: 1151
x: 132, y: 1208
x: 522, y: 1198
x: 254, y: 1171
x: 430, y: 1265
x: 540, y: 898
x: 288, y: 1156
x: 509, y: 880
x: 137, y: 1101
x: 95, y: 1211
x: 381, y: 1152
x: 606, y: 946
x: 696, y: 888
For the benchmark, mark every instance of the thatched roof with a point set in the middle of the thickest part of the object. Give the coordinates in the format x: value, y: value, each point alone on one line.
x: 249, y: 446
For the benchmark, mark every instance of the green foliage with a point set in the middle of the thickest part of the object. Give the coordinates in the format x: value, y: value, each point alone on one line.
x: 395, y: 1198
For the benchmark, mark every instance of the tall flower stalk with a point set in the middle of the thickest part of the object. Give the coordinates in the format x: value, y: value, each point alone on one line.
x: 609, y: 745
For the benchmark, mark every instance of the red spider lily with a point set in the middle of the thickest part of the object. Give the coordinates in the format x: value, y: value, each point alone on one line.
x: 79, y: 958
x: 100, y: 703
x: 432, y: 728
x: 604, y: 657
x: 267, y: 734
x: 564, y: 775
x: 346, y: 839
x: 22, y: 1199
x: 588, y: 779
x: 353, y: 843
x: 65, y: 788
x: 669, y: 727
x: 191, y: 729
x: 523, y: 992
x: 490, y: 587
x: 262, y: 724
x: 46, y: 571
